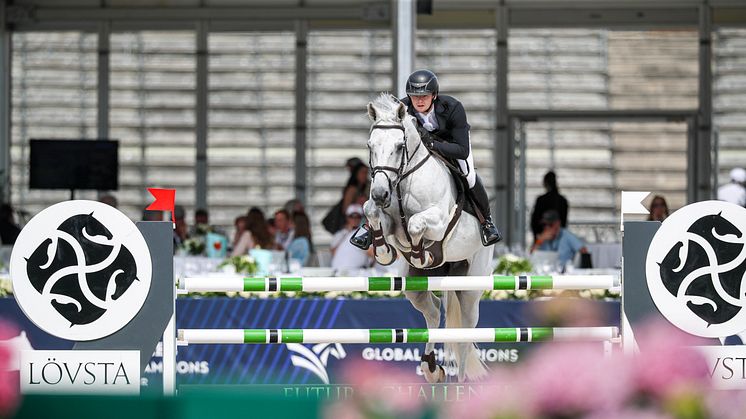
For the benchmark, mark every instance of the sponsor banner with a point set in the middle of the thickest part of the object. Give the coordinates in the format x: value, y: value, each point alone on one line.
x: 80, y: 372
x: 727, y: 366
x: 296, y: 364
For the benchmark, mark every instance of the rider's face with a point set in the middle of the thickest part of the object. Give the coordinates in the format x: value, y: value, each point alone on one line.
x: 422, y: 103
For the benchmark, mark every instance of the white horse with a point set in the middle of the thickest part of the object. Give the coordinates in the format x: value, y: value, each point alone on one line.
x: 406, y: 179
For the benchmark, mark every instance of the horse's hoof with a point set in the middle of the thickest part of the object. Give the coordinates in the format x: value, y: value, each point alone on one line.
x: 437, y: 376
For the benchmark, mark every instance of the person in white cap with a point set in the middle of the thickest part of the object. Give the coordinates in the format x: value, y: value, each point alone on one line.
x: 734, y: 191
x: 345, y: 255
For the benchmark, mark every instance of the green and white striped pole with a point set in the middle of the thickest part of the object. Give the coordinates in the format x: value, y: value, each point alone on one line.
x: 447, y: 335
x: 398, y: 283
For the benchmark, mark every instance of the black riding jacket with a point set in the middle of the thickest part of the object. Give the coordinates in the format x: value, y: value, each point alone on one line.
x: 453, y: 129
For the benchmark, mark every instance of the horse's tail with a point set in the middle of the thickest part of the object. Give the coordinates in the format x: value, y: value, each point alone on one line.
x: 466, y: 353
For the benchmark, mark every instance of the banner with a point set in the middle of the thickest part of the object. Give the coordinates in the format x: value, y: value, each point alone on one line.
x: 306, y: 364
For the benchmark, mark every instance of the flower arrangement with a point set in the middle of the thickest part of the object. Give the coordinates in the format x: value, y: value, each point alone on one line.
x: 565, y: 381
x: 6, y: 287
x: 194, y: 245
x: 9, y: 396
x: 243, y: 264
x: 510, y: 264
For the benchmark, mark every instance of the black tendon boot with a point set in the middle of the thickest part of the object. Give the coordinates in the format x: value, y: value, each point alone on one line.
x: 489, y: 233
x: 364, y: 240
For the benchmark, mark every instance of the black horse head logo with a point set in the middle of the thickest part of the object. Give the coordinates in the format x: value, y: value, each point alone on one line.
x: 79, y: 269
x: 713, y: 296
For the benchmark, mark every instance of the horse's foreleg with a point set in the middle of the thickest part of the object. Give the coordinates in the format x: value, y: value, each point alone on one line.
x: 384, y: 253
x: 470, y: 365
x: 429, y: 305
x: 429, y: 224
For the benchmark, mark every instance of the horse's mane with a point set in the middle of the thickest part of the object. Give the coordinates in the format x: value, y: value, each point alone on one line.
x: 386, y: 106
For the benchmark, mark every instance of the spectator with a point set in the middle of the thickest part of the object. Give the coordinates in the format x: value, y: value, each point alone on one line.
x: 734, y: 191
x: 356, y: 191
x: 108, y: 199
x: 554, y: 237
x: 240, y: 227
x: 294, y: 206
x: 201, y: 223
x: 658, y: 209
x: 283, y: 230
x: 301, y: 245
x: 150, y: 215
x: 181, y: 230
x: 352, y: 163
x: 344, y: 254
x: 271, y: 226
x: 551, y: 200
x: 256, y: 235
x: 9, y: 230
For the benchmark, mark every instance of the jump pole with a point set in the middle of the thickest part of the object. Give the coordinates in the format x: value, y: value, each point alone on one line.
x: 397, y: 283
x: 447, y: 335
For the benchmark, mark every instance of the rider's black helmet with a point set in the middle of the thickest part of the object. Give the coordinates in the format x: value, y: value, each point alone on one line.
x: 421, y: 83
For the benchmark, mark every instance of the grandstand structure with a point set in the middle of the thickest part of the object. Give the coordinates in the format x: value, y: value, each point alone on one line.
x: 248, y: 154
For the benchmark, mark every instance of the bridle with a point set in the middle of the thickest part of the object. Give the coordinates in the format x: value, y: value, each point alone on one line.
x: 406, y: 158
x: 401, y: 172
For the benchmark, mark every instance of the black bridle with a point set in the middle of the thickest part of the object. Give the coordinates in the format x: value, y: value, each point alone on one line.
x: 401, y: 172
x: 406, y: 158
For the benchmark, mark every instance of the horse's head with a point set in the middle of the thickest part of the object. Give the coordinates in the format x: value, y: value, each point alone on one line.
x: 390, y: 134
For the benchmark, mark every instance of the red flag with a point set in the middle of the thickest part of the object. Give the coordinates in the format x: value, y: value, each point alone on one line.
x: 164, y: 201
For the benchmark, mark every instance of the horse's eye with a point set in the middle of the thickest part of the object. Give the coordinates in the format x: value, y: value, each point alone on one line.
x: 400, y: 146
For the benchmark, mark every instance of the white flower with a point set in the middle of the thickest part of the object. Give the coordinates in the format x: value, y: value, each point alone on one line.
x: 585, y: 294
x: 245, y: 294
x: 521, y: 294
x: 231, y: 294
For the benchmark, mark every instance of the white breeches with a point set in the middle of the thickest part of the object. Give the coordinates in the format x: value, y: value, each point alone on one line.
x: 467, y: 168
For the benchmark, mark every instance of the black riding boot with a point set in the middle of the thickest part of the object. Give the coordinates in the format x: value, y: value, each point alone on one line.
x: 489, y: 233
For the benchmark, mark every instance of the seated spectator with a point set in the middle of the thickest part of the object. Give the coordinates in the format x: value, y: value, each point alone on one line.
x: 658, y: 209
x: 283, y: 230
x: 201, y: 223
x: 181, y: 232
x: 294, y: 206
x: 344, y: 254
x: 9, y: 230
x: 239, y: 225
x: 108, y: 199
x: 301, y: 246
x: 557, y: 239
x: 735, y: 190
x: 256, y: 235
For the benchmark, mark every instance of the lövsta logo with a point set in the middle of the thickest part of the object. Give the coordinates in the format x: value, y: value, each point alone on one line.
x: 695, y: 269
x: 81, y: 270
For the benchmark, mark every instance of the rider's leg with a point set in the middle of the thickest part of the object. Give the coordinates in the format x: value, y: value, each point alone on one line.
x: 488, y: 232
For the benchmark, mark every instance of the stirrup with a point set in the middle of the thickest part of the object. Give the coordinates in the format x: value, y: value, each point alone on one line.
x: 362, y: 241
x: 489, y: 233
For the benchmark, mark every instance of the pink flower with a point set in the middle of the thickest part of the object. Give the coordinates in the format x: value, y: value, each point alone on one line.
x: 8, y: 381
x: 503, y: 396
x: 379, y: 388
x: 576, y: 379
x: 727, y: 404
x: 667, y: 363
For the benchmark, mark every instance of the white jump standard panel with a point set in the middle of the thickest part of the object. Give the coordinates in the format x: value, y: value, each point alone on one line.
x: 447, y: 335
x: 399, y: 283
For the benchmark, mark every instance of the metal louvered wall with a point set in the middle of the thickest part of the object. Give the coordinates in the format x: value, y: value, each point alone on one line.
x: 251, y: 101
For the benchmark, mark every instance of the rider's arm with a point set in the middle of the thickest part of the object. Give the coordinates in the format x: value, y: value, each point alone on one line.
x: 458, y: 147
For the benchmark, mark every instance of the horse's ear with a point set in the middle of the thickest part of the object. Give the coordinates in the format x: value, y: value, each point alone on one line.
x: 401, y: 111
x: 371, y: 111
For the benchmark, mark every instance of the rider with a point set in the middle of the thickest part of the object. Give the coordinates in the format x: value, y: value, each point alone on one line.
x: 443, y: 129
